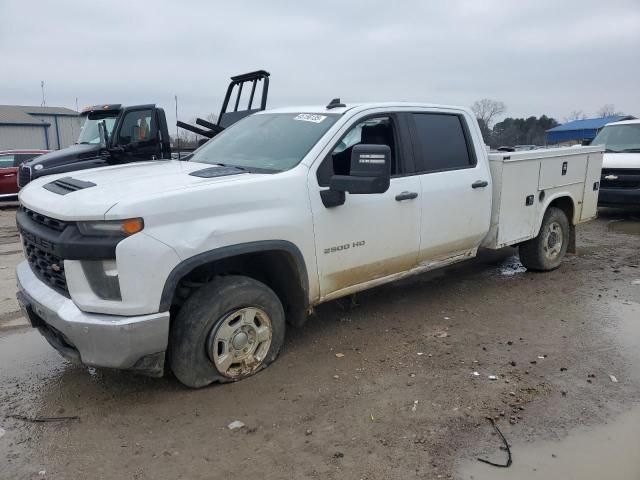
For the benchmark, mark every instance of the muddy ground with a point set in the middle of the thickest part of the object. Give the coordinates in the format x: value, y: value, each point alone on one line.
x: 402, y: 402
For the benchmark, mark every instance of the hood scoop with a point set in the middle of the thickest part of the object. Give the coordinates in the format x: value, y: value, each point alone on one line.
x: 212, y: 172
x: 65, y: 185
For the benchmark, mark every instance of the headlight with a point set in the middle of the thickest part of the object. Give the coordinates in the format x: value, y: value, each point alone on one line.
x: 102, y: 276
x: 111, y: 228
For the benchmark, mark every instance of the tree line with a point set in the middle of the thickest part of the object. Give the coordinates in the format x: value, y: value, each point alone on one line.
x: 521, y: 131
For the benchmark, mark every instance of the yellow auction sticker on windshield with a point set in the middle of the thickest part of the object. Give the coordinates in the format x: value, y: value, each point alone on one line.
x: 309, y: 117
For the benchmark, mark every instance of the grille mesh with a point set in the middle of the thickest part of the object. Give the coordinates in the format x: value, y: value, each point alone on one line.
x: 47, y: 266
x: 24, y: 175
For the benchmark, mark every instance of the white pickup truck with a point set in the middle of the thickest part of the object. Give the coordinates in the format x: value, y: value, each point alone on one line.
x: 620, y: 165
x: 199, y: 264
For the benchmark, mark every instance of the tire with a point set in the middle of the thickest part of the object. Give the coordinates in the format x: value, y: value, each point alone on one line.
x: 546, y: 251
x: 228, y: 330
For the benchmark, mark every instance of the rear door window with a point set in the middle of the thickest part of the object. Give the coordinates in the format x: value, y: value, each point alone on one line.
x: 442, y: 142
x: 6, y: 161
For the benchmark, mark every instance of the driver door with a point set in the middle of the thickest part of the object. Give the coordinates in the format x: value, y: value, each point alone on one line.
x: 371, y: 236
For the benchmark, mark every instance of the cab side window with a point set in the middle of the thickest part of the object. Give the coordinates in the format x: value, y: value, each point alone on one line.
x: 137, y: 126
x: 6, y: 161
x: 442, y: 142
x: 373, y: 131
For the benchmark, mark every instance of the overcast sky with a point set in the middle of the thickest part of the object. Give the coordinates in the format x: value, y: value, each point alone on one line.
x: 538, y: 56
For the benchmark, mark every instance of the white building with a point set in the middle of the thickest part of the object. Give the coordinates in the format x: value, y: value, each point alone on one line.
x: 49, y: 128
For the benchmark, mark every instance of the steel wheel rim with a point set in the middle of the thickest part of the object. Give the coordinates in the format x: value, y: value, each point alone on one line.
x: 241, y: 342
x: 553, y: 240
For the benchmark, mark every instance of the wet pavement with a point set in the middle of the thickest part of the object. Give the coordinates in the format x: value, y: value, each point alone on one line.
x: 610, y: 450
x: 402, y: 402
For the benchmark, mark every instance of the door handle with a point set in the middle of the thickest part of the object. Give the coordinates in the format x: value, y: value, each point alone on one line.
x: 479, y: 184
x: 406, y: 196
x: 9, y: 175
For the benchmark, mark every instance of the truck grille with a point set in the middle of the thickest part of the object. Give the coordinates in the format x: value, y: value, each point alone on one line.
x: 24, y: 175
x: 46, y: 266
x: 620, y: 178
x: 38, y: 251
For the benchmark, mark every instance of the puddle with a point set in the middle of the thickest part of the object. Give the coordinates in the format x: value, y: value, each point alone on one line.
x: 625, y: 226
x: 23, y: 353
x: 628, y: 333
x: 512, y: 268
x: 609, y: 451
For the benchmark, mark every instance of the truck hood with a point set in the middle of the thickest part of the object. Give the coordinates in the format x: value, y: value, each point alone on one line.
x: 115, y: 183
x: 621, y: 160
x: 67, y: 155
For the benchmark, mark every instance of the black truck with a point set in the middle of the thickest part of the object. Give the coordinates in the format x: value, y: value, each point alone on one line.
x: 113, y: 134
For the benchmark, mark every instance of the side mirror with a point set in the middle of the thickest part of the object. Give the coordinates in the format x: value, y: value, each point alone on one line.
x: 104, y: 136
x: 370, y: 171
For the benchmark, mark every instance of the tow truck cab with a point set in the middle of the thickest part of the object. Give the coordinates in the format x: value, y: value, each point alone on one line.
x: 111, y: 134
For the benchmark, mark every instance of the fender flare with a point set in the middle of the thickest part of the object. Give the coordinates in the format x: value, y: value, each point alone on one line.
x: 572, y: 224
x: 189, y: 264
x: 549, y: 201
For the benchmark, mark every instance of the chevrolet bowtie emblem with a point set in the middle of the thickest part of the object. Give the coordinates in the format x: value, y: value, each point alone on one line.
x: 611, y: 177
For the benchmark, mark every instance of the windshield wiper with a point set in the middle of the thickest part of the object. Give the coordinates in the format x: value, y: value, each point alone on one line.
x: 624, y: 150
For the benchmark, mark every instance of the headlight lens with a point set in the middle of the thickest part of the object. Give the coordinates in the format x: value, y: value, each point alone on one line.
x: 111, y: 228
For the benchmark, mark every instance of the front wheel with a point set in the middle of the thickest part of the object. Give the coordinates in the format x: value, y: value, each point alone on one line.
x: 228, y: 330
x: 546, y: 251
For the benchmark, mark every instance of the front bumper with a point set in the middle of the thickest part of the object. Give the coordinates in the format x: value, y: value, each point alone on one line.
x: 619, y: 197
x: 112, y: 341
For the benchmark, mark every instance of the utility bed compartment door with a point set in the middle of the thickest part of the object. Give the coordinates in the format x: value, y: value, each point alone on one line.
x: 566, y: 170
x: 519, y: 201
x: 591, y: 187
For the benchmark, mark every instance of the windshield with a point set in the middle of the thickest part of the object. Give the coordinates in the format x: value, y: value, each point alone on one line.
x: 619, y: 138
x: 270, y: 141
x: 90, y: 132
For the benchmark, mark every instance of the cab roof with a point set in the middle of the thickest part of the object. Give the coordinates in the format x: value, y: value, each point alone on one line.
x: 635, y: 121
x: 105, y: 107
x: 322, y: 109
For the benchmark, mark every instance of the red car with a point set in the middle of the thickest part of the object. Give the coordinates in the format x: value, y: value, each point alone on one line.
x: 10, y: 160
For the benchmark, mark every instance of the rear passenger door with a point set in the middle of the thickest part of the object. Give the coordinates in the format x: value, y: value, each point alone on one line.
x: 455, y: 185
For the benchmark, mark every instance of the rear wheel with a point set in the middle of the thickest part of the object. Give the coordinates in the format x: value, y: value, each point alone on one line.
x: 228, y: 330
x: 546, y: 251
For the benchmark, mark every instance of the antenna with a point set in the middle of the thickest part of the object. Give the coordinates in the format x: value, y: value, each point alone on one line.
x: 44, y: 100
x: 177, y: 132
x: 77, y: 109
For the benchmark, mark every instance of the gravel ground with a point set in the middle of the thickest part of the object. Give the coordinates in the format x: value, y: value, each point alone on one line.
x: 400, y: 401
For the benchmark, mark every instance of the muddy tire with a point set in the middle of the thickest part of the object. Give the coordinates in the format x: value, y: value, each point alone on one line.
x: 546, y: 251
x: 227, y: 330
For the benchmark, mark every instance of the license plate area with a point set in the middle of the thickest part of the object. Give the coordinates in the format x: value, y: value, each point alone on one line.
x: 28, y: 311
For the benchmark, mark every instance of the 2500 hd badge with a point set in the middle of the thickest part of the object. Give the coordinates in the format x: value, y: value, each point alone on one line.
x: 346, y: 246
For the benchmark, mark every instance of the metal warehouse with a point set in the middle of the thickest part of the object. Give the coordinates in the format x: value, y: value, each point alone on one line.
x: 579, y: 130
x: 49, y: 128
